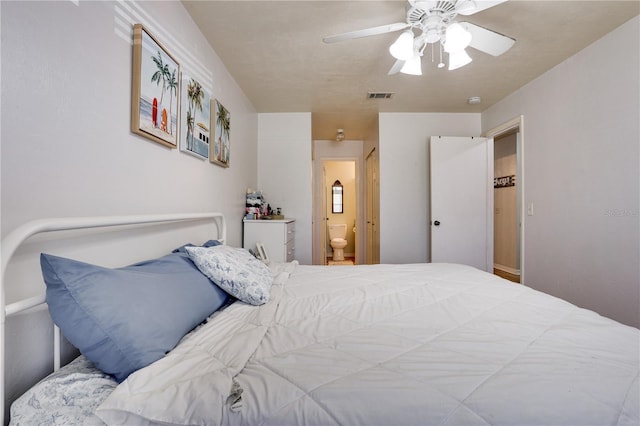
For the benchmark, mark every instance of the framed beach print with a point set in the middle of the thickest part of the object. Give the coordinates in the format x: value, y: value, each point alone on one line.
x: 219, y: 147
x: 155, y: 90
x: 195, y: 118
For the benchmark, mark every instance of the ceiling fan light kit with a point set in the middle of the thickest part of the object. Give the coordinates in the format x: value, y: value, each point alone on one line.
x: 434, y: 20
x: 413, y: 66
x: 456, y: 38
x: 458, y: 59
x: 403, y: 47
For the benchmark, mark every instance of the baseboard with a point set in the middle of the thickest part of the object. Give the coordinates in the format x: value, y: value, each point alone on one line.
x: 506, y: 269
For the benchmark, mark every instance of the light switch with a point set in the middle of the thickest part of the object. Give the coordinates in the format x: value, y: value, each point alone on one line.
x: 530, y: 209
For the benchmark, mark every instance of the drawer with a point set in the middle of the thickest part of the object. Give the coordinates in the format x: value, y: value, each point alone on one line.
x: 290, y: 251
x: 290, y: 231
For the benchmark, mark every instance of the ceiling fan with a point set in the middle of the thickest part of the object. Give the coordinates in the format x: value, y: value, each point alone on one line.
x: 435, y: 25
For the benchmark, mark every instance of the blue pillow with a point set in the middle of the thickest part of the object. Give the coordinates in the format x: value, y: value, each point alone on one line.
x: 125, y: 319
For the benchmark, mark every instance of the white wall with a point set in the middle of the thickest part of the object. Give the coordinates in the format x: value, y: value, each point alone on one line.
x: 581, y: 168
x: 284, y: 171
x: 66, y: 145
x: 404, y: 179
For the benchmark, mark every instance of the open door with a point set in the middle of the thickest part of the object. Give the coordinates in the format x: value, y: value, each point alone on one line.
x: 322, y: 235
x: 319, y: 254
x: 461, y: 200
x: 373, y: 207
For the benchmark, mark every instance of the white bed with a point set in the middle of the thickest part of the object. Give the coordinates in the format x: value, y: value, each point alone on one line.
x: 416, y: 344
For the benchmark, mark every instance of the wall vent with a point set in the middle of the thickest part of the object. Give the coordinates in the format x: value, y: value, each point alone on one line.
x: 379, y: 95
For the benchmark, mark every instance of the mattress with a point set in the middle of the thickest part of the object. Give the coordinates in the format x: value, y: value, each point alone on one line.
x: 423, y: 344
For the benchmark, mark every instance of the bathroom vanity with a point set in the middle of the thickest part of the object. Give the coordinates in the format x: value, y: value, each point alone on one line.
x: 277, y: 236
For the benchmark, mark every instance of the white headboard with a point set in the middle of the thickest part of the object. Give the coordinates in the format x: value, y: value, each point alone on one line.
x: 15, y: 238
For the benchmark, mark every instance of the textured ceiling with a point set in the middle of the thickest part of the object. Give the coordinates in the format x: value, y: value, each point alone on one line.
x: 275, y: 52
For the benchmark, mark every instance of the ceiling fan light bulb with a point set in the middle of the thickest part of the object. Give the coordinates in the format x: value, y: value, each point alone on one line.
x: 458, y: 60
x: 402, y: 48
x: 456, y: 38
x: 413, y: 66
x: 465, y: 6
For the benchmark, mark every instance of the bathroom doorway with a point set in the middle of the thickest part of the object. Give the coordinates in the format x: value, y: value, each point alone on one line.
x: 341, y: 211
x: 344, y: 162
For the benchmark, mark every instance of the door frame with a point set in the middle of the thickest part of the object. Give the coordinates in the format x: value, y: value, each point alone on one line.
x: 516, y: 123
x: 319, y: 228
x: 359, y: 205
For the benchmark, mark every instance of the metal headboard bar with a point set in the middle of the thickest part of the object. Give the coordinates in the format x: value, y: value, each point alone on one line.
x: 16, y: 237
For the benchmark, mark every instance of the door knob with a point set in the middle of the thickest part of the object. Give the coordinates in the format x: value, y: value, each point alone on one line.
x: 436, y: 223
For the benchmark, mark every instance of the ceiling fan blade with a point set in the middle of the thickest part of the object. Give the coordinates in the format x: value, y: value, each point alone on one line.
x: 488, y: 41
x: 468, y: 7
x: 397, y: 66
x: 366, y: 32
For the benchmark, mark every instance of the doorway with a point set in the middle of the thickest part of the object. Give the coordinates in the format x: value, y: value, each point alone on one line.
x: 341, y: 209
x: 508, y: 219
x: 328, y: 159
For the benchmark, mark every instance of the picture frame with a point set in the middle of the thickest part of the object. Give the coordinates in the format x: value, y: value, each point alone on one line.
x: 262, y: 253
x: 155, y: 90
x: 195, y: 118
x: 219, y: 148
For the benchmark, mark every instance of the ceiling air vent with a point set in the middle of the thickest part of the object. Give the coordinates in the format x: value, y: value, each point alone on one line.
x: 379, y: 95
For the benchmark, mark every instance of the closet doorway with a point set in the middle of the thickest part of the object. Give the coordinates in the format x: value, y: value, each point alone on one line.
x: 508, y: 204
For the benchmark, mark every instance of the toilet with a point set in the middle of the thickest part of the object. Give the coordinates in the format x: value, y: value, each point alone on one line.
x: 337, y: 234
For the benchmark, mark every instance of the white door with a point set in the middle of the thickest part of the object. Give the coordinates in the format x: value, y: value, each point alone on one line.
x: 461, y: 201
x: 322, y: 234
x: 319, y: 213
x: 373, y: 243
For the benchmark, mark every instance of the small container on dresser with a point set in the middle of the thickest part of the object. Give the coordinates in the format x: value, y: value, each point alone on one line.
x: 276, y: 235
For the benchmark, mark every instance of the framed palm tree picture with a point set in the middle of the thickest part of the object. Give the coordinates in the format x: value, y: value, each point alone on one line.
x: 219, y: 148
x: 155, y: 90
x: 195, y: 118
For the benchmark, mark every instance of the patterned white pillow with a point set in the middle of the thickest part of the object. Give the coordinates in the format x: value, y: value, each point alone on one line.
x: 234, y: 270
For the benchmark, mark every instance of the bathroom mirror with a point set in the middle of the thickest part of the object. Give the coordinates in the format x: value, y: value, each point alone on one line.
x: 336, y: 197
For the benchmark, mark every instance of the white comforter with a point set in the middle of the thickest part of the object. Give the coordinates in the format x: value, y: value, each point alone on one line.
x: 423, y: 344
